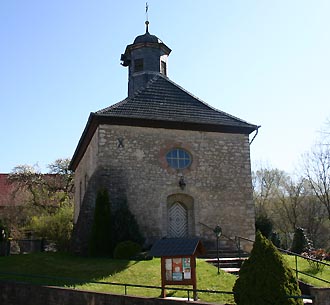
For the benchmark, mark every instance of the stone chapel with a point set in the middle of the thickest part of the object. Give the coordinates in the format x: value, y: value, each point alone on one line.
x: 182, y: 166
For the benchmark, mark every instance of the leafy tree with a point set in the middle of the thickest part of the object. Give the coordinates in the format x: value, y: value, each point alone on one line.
x: 265, y: 278
x: 56, y: 227
x: 101, y: 243
x: 317, y: 171
x: 41, y: 197
x: 315, y: 221
x: 266, y: 184
x: 289, y: 202
x: 291, y: 195
x: 47, y: 192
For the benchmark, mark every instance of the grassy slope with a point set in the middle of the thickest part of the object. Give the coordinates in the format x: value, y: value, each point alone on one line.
x: 304, y: 266
x: 115, y: 271
x: 123, y: 271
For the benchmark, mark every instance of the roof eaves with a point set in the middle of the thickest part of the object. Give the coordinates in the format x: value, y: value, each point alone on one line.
x: 173, y: 124
x: 206, y: 104
x: 85, y: 138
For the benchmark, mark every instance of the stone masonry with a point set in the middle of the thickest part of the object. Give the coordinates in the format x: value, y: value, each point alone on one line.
x: 182, y: 166
x: 218, y: 182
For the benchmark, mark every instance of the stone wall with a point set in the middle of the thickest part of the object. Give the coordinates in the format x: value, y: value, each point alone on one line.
x: 131, y: 163
x: 321, y: 295
x: 84, y: 172
x: 25, y: 294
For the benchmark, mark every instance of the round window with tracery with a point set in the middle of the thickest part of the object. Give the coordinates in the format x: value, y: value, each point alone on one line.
x: 178, y: 158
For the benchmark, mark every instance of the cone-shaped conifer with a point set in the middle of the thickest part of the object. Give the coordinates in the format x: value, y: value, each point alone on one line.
x: 100, y: 243
x: 265, y: 278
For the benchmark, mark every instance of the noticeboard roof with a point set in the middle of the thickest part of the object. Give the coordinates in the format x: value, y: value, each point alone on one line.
x: 177, y: 247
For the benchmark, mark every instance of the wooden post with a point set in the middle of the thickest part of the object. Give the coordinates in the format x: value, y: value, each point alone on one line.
x: 163, y: 275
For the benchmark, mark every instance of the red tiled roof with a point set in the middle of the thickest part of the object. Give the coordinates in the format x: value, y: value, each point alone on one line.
x: 9, y: 196
x: 6, y: 190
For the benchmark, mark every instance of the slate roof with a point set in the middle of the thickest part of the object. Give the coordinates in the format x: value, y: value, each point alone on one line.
x: 177, y: 247
x: 163, y: 100
x: 161, y: 104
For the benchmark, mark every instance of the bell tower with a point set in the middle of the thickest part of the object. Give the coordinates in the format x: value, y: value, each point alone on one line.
x: 145, y: 57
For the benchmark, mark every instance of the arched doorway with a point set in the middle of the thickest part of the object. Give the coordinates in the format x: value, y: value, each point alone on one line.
x: 177, y: 220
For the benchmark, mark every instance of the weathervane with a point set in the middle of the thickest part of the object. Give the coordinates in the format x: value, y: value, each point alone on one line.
x: 147, y: 19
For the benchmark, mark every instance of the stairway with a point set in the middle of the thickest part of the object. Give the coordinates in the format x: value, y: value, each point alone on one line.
x: 229, y: 260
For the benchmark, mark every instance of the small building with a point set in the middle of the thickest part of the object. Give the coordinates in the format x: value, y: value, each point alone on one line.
x: 181, y: 165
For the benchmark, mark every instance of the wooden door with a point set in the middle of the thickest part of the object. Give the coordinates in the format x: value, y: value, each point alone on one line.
x: 178, y: 220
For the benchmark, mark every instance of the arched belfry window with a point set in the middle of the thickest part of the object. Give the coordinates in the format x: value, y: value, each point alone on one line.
x: 178, y: 158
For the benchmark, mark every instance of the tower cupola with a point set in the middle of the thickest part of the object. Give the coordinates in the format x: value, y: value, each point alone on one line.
x: 145, y: 57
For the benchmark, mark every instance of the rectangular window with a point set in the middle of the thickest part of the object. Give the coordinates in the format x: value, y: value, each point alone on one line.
x: 138, y: 65
x: 163, y: 68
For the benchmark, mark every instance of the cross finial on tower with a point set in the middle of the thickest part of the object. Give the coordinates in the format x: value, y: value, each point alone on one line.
x: 147, y: 21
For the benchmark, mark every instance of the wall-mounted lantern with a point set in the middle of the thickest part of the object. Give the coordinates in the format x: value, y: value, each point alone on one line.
x: 182, y: 183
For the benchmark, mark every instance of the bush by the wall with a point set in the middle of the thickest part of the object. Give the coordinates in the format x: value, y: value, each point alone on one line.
x: 126, y: 249
x: 125, y: 226
x: 265, y: 277
x: 100, y: 242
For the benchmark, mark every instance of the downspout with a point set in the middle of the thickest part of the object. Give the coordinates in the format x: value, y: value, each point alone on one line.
x: 257, y: 130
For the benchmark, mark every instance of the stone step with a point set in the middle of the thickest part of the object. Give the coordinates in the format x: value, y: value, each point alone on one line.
x: 227, y: 264
x: 225, y: 253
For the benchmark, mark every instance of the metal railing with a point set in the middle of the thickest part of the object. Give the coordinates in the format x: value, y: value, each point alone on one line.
x: 297, y: 271
x: 17, y: 277
x: 308, y: 259
x: 74, y: 281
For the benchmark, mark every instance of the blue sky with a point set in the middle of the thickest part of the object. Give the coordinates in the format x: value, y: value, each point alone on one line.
x: 267, y: 62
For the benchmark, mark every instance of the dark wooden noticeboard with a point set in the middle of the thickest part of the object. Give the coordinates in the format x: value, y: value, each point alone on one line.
x: 178, y: 261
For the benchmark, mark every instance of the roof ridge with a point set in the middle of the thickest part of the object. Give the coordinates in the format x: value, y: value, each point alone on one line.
x: 148, y: 84
x: 112, y: 106
x: 206, y: 104
x: 127, y: 99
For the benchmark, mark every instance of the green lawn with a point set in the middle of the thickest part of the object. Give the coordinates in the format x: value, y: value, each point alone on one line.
x: 80, y: 271
x: 305, y: 267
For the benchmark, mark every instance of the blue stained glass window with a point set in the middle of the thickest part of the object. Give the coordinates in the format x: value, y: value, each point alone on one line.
x: 178, y: 158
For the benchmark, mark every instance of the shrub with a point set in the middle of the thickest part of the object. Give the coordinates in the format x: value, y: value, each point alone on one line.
x: 126, y: 249
x: 56, y: 227
x: 264, y: 225
x: 275, y: 239
x: 300, y: 242
x: 316, y: 256
x: 265, y: 277
x: 4, y: 233
x: 100, y: 242
x: 125, y: 226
